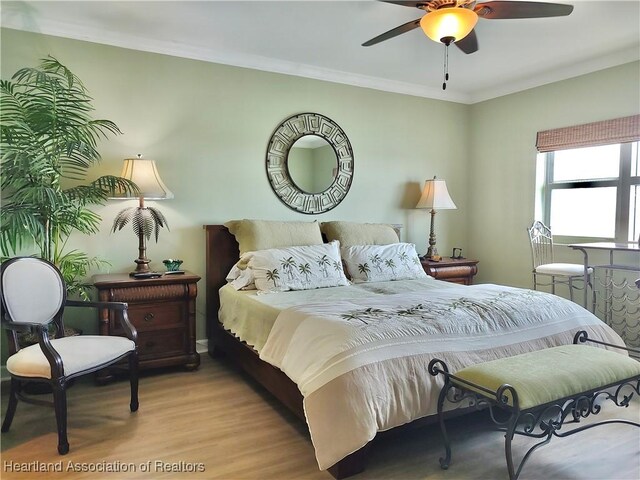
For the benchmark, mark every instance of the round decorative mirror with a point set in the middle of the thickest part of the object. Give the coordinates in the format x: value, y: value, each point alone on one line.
x: 310, y: 163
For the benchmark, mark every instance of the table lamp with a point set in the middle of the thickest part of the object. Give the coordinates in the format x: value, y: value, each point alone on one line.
x: 144, y: 219
x: 436, y: 197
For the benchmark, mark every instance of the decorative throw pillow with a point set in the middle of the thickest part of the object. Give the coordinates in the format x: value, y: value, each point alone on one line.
x: 377, y: 263
x: 297, y: 268
x: 254, y: 235
x: 353, y: 233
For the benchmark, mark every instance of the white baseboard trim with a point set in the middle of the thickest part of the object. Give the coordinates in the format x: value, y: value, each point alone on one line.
x: 202, y: 346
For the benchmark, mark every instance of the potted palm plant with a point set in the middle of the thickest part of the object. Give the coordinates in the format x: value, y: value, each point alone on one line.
x: 48, y: 142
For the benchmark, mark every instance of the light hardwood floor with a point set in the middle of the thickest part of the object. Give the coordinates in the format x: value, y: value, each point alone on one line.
x: 218, y: 418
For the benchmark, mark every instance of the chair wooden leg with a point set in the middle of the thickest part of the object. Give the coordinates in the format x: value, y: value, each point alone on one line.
x: 133, y: 380
x: 60, y: 405
x: 13, y: 403
x: 553, y: 284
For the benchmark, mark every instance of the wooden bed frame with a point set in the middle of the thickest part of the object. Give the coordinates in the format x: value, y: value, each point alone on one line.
x: 222, y: 253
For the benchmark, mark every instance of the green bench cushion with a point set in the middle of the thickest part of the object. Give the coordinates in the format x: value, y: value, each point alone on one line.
x: 547, y: 375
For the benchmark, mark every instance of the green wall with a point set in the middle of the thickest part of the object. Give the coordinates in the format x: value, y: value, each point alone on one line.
x: 207, y: 126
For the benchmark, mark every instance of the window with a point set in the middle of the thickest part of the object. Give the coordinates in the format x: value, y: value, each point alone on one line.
x: 591, y: 191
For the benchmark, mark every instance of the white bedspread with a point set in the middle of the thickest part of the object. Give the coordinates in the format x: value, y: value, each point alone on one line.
x: 362, y: 365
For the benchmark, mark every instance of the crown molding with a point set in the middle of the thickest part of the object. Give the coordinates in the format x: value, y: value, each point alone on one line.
x: 557, y: 74
x: 256, y: 62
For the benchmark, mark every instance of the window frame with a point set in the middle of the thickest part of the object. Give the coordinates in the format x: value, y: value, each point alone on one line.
x: 622, y: 183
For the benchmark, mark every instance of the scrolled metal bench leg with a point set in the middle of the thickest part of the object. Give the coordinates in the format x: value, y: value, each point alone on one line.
x: 444, y: 462
x: 437, y: 367
x: 547, y: 438
x: 508, y: 438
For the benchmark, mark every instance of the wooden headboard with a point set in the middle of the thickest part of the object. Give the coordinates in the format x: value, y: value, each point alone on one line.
x: 222, y: 253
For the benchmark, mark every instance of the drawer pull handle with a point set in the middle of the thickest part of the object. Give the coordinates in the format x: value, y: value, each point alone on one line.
x: 149, y: 317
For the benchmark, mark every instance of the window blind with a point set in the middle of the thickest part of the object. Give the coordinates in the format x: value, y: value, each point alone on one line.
x: 617, y: 130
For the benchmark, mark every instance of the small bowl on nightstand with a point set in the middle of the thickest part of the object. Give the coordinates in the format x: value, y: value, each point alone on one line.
x: 172, y: 265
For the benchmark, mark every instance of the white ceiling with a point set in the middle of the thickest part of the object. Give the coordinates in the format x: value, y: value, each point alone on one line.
x: 322, y: 39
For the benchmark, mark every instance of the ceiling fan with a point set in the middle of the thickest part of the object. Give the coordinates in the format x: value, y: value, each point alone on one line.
x: 453, y: 21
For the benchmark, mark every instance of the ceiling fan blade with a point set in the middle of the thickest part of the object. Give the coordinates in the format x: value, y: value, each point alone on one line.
x: 394, y: 32
x: 468, y: 44
x: 499, y: 10
x: 414, y: 3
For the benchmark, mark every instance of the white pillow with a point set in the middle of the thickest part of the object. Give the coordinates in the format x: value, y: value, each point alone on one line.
x: 241, y: 278
x: 296, y: 268
x: 377, y: 263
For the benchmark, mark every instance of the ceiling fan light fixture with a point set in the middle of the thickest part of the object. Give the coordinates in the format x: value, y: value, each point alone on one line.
x: 445, y: 24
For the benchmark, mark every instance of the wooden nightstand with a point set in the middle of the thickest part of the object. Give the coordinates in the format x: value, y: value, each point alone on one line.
x: 455, y: 270
x: 163, y: 310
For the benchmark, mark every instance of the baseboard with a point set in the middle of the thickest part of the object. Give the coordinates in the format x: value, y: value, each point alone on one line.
x: 202, y: 346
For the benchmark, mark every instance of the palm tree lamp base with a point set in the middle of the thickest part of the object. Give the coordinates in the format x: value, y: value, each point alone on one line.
x: 142, y: 266
x: 145, y: 221
x: 142, y: 261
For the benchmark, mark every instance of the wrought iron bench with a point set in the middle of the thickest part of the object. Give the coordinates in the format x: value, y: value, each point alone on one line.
x: 541, y: 391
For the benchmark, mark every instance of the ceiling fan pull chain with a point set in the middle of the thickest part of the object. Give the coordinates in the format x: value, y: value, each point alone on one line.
x: 446, y: 66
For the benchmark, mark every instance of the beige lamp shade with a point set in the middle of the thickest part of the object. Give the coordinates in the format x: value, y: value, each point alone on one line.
x: 453, y: 23
x: 436, y: 196
x: 144, y: 174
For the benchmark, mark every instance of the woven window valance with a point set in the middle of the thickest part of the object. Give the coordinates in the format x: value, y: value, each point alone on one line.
x: 617, y: 130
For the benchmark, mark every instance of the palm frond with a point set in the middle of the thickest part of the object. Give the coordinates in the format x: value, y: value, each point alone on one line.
x: 144, y: 221
x: 158, y: 219
x: 123, y: 217
x: 113, y: 185
x: 19, y: 229
x: 75, y: 267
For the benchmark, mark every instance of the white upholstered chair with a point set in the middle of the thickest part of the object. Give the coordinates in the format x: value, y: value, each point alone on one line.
x: 34, y: 297
x: 545, y: 266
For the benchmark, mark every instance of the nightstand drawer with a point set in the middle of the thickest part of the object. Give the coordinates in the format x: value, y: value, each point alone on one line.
x: 162, y: 343
x: 157, y: 315
x: 453, y: 273
x: 151, y: 317
x: 454, y: 270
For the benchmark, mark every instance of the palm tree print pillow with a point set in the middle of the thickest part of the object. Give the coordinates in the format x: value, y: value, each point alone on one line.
x: 297, y: 268
x: 378, y: 263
